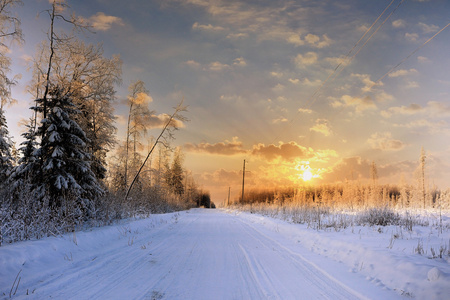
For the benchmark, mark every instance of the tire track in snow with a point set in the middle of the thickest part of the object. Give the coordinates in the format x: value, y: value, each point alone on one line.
x: 309, y: 270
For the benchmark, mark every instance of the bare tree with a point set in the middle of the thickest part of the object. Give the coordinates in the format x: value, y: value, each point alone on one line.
x: 137, y: 124
x: 422, y: 175
x: 166, y: 132
x: 374, y: 173
x: 57, y: 40
x: 10, y: 32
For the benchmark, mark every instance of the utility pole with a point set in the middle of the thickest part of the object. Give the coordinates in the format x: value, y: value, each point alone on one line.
x: 229, y: 191
x: 243, y: 181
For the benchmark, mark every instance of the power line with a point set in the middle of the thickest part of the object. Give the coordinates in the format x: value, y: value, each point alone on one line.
x: 359, y: 50
x: 402, y: 61
x: 370, y: 37
x: 312, y: 99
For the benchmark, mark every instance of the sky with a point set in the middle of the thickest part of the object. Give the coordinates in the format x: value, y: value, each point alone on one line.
x: 306, y: 92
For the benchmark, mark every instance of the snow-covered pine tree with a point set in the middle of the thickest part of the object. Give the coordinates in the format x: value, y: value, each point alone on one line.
x: 65, y: 176
x: 176, y: 176
x: 6, y: 159
x: 27, y: 163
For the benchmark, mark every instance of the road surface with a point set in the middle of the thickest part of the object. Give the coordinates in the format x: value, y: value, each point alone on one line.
x: 200, y: 254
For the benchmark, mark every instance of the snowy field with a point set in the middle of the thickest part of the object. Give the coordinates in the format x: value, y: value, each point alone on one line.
x: 227, y: 254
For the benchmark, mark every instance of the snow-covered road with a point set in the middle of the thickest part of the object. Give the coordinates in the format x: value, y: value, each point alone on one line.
x: 199, y: 254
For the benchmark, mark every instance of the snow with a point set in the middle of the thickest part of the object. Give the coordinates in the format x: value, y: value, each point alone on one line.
x: 226, y: 254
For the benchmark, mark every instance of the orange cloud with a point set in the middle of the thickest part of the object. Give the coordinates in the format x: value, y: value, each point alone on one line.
x: 233, y: 147
x: 350, y: 168
x: 159, y: 121
x: 288, y: 151
x: 322, y: 127
x: 222, y: 177
x: 360, y: 104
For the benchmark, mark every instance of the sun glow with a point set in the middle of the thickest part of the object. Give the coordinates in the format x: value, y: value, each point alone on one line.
x: 307, y: 175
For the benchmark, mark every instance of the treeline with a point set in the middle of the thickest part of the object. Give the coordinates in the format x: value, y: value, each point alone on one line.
x: 352, y: 196
x: 63, y: 175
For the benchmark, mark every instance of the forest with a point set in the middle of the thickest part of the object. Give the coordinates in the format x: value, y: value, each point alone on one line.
x: 65, y: 175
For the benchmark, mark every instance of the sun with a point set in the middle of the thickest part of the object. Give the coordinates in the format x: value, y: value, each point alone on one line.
x: 307, y: 175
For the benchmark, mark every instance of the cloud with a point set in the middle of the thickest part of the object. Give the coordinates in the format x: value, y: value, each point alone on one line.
x: 279, y: 120
x: 411, y: 36
x: 362, y: 28
x: 412, y: 84
x: 305, y: 60
x: 120, y: 119
x: 102, y: 22
x: 217, y: 66
x: 423, y: 59
x: 305, y: 81
x: 360, y: 104
x: 295, y: 39
x: 234, y: 98
x: 141, y: 98
x: 308, y: 82
x: 383, y: 97
x: 322, y: 127
x: 228, y: 148
x: 159, y: 121
x: 439, y: 127
x: 439, y: 108
x: 276, y: 74
x: 411, y: 109
x: 208, y: 27
x: 428, y: 28
x: 287, y: 151
x: 263, y: 22
x: 223, y: 178
x: 433, y: 109
x: 318, y: 42
x: 384, y: 141
x: 240, y: 61
x: 351, y: 168
x: 335, y: 61
x: 193, y: 64
x: 305, y: 111
x: 403, y: 72
x: 278, y: 88
x: 357, y: 168
x: 398, y: 23
x: 236, y: 36
x: 368, y: 83
x: 27, y: 58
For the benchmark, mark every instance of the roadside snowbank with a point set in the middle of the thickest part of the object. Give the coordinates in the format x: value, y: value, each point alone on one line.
x: 388, y: 256
x: 37, y: 259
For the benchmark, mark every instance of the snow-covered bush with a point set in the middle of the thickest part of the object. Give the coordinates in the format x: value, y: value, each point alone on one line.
x: 380, y: 217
